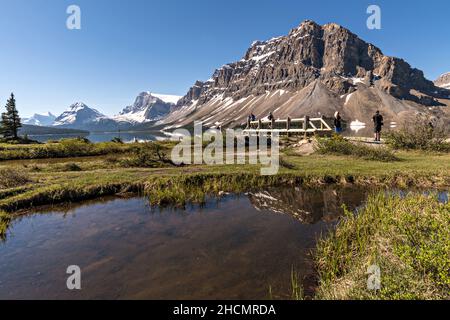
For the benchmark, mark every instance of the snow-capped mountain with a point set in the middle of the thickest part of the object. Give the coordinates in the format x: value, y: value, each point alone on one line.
x: 148, y: 107
x: 443, y: 81
x: 45, y: 119
x: 78, y: 115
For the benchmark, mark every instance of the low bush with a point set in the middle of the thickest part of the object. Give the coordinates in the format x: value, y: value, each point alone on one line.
x: 149, y: 155
x: 337, y: 145
x: 420, y: 134
x: 72, y: 167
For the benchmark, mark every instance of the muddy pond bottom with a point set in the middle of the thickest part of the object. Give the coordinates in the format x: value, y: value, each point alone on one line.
x: 236, y: 247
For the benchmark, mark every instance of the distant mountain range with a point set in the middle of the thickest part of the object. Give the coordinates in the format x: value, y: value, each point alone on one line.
x: 46, y: 119
x: 147, y: 108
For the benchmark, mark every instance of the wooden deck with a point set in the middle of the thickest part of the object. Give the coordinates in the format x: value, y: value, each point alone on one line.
x: 289, y: 126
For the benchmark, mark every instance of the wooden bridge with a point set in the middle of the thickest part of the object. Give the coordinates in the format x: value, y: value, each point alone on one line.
x: 289, y: 126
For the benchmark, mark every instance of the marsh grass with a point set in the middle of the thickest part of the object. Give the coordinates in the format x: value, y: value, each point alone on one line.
x: 66, y: 148
x: 195, y: 188
x: 337, y: 145
x: 5, y: 220
x: 10, y: 178
x: 408, y: 238
x: 297, y: 292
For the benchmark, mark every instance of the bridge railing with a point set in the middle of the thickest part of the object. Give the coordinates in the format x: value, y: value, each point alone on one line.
x: 301, y: 125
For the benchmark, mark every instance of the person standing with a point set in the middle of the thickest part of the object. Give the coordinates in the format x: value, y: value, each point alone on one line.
x: 378, y: 125
x: 271, y: 119
x: 337, y: 122
x: 249, y: 122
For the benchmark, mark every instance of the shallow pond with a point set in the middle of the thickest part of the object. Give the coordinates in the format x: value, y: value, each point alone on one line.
x: 236, y: 247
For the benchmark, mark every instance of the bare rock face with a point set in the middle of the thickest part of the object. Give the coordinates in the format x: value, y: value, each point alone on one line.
x: 327, y: 62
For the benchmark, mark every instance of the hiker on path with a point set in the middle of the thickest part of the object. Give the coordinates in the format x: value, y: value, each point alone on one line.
x: 378, y: 123
x: 337, y: 122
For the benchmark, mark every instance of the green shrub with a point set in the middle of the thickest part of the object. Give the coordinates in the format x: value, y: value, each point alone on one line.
x: 420, y: 134
x: 337, y: 145
x: 149, y: 154
x: 72, y: 167
x: 66, y: 148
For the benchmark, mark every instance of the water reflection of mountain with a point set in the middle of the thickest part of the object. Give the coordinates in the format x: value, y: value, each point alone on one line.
x: 306, y: 205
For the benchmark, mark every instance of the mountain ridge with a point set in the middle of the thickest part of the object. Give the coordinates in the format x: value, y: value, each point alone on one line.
x: 147, y: 108
x: 279, y: 74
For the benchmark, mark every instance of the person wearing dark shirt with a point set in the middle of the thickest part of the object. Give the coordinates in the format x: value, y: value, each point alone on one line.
x: 337, y: 122
x: 378, y: 125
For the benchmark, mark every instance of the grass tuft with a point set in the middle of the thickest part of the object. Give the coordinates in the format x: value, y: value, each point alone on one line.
x: 408, y: 238
x: 11, y: 178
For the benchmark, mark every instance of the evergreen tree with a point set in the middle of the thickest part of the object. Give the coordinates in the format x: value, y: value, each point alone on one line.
x: 10, y: 122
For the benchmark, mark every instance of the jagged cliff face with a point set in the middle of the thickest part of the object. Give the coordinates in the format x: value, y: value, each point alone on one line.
x: 314, y: 70
x: 147, y: 107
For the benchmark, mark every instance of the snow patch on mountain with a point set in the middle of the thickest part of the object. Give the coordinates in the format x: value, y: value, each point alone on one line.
x: 79, y: 114
x: 45, y: 119
x: 443, y: 81
x: 148, y: 107
x: 168, y: 98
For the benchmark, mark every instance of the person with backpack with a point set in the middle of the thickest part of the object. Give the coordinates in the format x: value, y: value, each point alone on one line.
x: 337, y: 122
x: 378, y: 123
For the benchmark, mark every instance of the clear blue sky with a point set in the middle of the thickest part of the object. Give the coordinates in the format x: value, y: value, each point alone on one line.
x: 163, y: 46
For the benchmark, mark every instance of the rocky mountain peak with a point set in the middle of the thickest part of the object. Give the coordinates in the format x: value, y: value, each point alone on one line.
x: 147, y: 107
x: 443, y: 81
x: 330, y: 54
x: 78, y: 113
x: 307, y: 53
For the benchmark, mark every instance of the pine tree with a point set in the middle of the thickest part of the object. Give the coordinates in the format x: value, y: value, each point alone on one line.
x: 10, y: 122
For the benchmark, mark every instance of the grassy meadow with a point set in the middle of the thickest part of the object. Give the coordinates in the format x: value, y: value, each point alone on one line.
x: 408, y: 237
